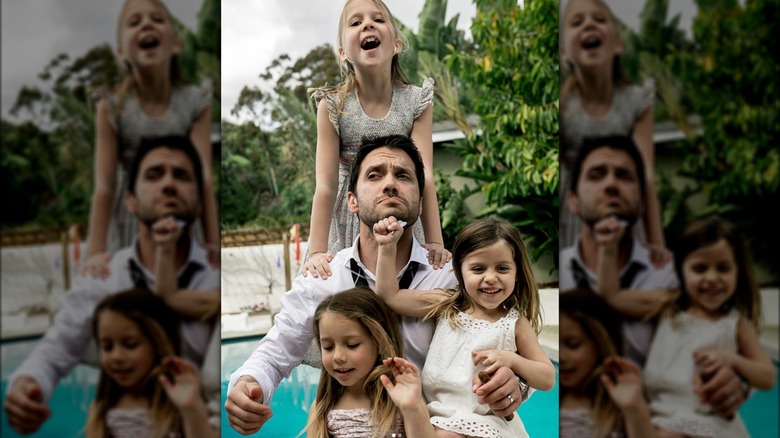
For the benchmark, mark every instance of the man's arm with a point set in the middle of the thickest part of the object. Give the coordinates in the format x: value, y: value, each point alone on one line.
x: 283, y: 348
x: 65, y: 341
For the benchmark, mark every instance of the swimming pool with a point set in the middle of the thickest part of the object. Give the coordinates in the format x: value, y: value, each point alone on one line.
x: 69, y: 403
x: 293, y: 398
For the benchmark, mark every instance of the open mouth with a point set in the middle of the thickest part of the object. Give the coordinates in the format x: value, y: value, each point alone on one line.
x: 344, y: 373
x: 591, y: 42
x: 370, y: 43
x: 490, y: 291
x: 149, y: 42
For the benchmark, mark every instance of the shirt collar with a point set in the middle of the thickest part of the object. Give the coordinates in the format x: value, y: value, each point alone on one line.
x: 418, y: 254
x: 197, y: 256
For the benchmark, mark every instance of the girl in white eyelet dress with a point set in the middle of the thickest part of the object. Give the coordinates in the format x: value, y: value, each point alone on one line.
x: 490, y: 321
x: 374, y: 99
x: 712, y: 324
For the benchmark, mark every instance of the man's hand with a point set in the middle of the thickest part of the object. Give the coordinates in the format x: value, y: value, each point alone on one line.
x: 502, y: 392
x: 166, y: 231
x: 723, y: 391
x: 24, y: 406
x: 244, y: 407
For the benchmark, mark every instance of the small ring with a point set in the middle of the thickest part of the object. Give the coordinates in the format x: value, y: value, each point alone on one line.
x: 511, y: 400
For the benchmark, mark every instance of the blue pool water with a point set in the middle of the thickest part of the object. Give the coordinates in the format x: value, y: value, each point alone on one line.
x: 293, y: 398
x: 69, y: 403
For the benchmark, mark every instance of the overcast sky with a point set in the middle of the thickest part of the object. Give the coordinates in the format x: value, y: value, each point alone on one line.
x: 35, y: 31
x: 254, y: 32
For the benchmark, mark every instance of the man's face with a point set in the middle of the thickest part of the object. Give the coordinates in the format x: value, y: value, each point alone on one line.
x: 608, y: 186
x: 165, y: 186
x: 386, y: 186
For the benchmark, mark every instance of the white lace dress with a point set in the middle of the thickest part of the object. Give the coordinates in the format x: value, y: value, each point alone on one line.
x: 669, y: 375
x: 448, y: 373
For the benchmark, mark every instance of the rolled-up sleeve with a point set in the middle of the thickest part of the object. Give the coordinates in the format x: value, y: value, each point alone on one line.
x: 283, y: 348
x: 66, y: 340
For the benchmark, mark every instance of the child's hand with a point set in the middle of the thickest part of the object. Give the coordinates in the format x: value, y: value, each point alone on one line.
x: 709, y: 360
x: 406, y: 392
x: 184, y: 389
x: 388, y: 231
x: 96, y: 265
x: 659, y: 255
x: 623, y: 381
x: 214, y: 253
x: 492, y: 359
x: 318, y: 264
x: 609, y: 230
x: 438, y: 256
x: 166, y: 231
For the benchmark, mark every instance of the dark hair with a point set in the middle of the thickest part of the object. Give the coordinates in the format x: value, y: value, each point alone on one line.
x: 175, y: 142
x: 706, y: 232
x: 481, y: 234
x: 616, y: 142
x: 401, y: 142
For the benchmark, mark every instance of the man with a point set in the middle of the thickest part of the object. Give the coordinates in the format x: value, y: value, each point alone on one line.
x: 607, y: 187
x: 166, y: 180
x: 386, y: 180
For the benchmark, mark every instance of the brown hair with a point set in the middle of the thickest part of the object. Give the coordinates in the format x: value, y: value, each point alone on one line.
x: 480, y: 234
x: 602, y: 326
x: 362, y: 305
x: 708, y: 231
x: 160, y: 325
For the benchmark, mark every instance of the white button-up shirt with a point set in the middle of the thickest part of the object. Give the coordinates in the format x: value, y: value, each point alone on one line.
x: 638, y: 334
x: 67, y: 339
x: 283, y: 348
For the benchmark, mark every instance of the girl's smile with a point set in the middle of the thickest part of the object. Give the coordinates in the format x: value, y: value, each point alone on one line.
x: 348, y: 352
x: 489, y: 276
x: 710, y: 277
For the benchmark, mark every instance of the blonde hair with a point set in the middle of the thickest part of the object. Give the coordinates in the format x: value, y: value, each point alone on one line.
x: 480, y: 234
x: 128, y: 84
x: 349, y: 81
x: 569, y: 81
x: 361, y: 305
x: 602, y: 326
x: 160, y: 325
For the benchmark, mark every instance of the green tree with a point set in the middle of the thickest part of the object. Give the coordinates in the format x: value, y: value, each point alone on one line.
x: 735, y: 162
x: 514, y: 157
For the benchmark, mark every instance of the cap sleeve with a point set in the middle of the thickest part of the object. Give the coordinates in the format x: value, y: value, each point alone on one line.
x: 426, y: 97
x: 645, y: 96
x: 332, y: 100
